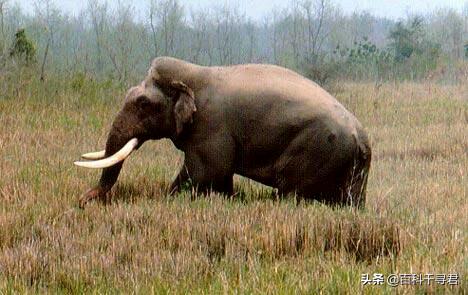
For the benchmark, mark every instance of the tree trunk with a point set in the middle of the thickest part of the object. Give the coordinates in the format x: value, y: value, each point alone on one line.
x: 46, y: 52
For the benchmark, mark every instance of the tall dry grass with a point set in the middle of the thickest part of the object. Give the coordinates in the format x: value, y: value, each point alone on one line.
x: 415, y: 219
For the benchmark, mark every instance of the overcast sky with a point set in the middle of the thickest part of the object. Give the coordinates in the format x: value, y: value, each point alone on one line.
x: 259, y: 8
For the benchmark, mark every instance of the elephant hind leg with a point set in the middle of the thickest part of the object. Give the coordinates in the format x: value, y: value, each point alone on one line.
x: 324, y: 171
x: 356, y: 182
x: 326, y: 186
x: 317, y: 178
x: 350, y: 188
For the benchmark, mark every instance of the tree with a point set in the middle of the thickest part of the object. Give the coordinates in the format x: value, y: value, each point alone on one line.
x: 23, y: 48
x: 152, y: 20
x: 46, y: 14
x: 315, y: 16
x: 227, y: 33
x: 98, y: 14
x: 252, y: 41
x: 402, y: 41
x: 201, y: 37
x: 3, y: 4
x: 168, y: 15
x: 455, y: 34
x: 446, y: 27
x: 120, y: 42
x: 411, y: 39
x: 414, y: 53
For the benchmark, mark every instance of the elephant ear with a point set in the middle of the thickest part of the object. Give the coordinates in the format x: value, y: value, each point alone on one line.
x: 185, y: 105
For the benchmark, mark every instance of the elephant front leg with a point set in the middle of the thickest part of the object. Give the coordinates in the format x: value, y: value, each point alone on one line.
x: 205, y: 172
x: 221, y: 184
x: 179, y: 182
x: 108, y: 179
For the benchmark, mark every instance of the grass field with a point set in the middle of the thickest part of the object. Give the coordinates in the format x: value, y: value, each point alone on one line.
x: 145, y: 241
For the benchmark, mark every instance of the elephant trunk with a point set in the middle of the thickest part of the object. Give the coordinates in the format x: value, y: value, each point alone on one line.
x: 120, y: 143
x: 114, y: 144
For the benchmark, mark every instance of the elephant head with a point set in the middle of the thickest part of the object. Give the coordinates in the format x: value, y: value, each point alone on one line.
x: 157, y: 108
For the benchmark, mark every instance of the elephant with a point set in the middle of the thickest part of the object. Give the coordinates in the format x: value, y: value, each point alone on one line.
x: 264, y: 122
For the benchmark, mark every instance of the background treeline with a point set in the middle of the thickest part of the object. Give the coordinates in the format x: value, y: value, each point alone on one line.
x: 314, y: 37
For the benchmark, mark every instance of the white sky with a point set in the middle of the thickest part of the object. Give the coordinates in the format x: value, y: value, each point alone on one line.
x: 259, y: 8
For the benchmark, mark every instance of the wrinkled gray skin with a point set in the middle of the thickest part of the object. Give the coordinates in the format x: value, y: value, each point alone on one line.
x: 261, y: 121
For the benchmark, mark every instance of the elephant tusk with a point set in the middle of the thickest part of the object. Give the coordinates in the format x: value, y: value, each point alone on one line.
x: 94, y: 156
x: 112, y: 160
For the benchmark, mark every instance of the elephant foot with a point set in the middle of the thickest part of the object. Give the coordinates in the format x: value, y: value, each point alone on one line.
x: 94, y: 193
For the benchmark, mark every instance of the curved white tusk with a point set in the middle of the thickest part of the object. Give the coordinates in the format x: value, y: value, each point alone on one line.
x: 112, y: 160
x: 94, y: 156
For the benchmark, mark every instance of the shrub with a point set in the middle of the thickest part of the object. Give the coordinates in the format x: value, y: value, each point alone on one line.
x: 23, y: 48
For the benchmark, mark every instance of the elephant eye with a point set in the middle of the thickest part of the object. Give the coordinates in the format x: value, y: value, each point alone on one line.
x: 157, y: 107
x: 143, y: 102
x: 148, y: 106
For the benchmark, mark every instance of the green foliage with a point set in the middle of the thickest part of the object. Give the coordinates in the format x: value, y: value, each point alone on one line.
x: 405, y: 38
x: 108, y: 47
x: 78, y: 81
x: 365, y: 60
x: 409, y: 55
x: 23, y: 48
x: 414, y: 53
